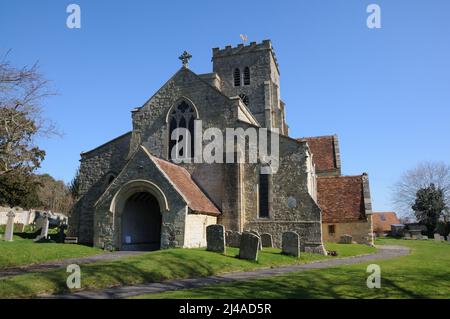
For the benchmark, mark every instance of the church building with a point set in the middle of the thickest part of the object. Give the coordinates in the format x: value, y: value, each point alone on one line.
x: 135, y: 196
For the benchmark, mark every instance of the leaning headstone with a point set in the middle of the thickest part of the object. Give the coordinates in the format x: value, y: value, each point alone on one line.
x: 9, y: 231
x: 437, y: 237
x: 290, y: 243
x: 249, y: 246
x: 346, y: 239
x: 215, y: 238
x: 44, y: 229
x: 259, y: 236
x: 266, y: 240
x: 233, y: 238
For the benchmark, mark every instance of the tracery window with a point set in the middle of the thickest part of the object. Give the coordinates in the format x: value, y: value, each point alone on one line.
x: 182, y: 116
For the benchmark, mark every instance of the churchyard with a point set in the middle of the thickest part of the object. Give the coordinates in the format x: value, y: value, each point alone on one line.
x: 421, y: 274
x: 424, y: 273
x: 149, y: 267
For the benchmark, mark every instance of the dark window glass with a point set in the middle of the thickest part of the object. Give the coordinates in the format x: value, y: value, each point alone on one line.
x: 237, y: 77
x: 247, y: 76
x: 331, y: 229
x: 263, y: 195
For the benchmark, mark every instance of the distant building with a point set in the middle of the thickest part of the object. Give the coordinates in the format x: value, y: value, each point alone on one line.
x: 382, y: 222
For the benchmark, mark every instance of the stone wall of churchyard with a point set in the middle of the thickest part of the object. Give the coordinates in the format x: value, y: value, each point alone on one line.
x: 361, y: 231
x: 96, y: 168
x: 108, y: 224
x: 195, y: 231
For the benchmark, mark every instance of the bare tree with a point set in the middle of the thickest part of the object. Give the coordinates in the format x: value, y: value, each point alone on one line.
x: 22, y: 91
x: 420, y: 177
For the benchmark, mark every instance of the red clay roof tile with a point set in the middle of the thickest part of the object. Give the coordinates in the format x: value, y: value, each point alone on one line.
x: 341, y: 198
x: 322, y: 148
x: 382, y: 221
x: 180, y: 177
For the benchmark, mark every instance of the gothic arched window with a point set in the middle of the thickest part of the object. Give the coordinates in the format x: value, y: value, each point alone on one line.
x: 247, y: 76
x: 237, y: 77
x: 182, y: 116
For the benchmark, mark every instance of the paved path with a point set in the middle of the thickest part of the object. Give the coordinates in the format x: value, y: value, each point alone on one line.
x: 51, y: 265
x: 385, y: 252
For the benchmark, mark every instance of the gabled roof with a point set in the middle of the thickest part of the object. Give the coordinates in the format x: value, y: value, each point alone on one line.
x: 382, y: 221
x: 186, y: 186
x: 325, y: 154
x: 341, y: 198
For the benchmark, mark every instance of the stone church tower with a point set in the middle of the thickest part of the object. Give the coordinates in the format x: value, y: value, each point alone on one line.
x: 254, y: 77
x: 134, y: 196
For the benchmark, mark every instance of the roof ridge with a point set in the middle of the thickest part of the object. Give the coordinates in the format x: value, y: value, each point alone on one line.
x: 340, y: 176
x: 319, y: 136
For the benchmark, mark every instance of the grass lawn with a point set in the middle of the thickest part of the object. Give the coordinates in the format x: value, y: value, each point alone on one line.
x: 24, y: 252
x: 423, y: 274
x: 155, y: 267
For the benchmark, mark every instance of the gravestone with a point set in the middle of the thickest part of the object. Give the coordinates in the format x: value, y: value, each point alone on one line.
x: 249, y: 246
x: 9, y: 231
x: 19, y: 227
x: 233, y: 238
x: 290, y: 243
x: 61, y: 233
x: 266, y: 240
x: 44, y: 229
x: 437, y: 237
x: 259, y: 236
x: 407, y: 236
x: 346, y: 239
x: 424, y: 237
x: 215, y: 238
x: 448, y: 238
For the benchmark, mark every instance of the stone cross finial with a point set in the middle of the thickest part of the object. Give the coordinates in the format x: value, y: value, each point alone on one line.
x: 185, y: 57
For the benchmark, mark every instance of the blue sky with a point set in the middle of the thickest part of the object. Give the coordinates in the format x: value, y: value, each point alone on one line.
x: 385, y: 92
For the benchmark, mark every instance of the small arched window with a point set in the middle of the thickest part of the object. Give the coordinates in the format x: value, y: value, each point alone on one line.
x: 247, y: 76
x: 110, y: 179
x: 237, y: 77
x: 182, y: 116
x: 244, y: 99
